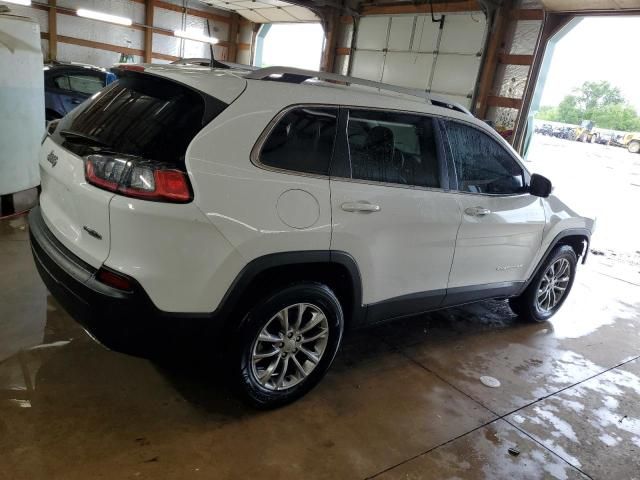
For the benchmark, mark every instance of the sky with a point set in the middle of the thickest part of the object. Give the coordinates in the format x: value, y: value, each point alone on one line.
x: 294, y: 45
x: 598, y: 48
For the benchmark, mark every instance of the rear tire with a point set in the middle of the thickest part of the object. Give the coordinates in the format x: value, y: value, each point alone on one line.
x: 286, y: 344
x: 549, y: 288
x: 634, y: 146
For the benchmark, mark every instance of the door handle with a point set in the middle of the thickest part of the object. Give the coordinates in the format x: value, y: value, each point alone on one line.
x: 76, y: 101
x: 477, y: 211
x: 364, y: 207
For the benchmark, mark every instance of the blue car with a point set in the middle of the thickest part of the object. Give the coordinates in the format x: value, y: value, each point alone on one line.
x: 67, y: 85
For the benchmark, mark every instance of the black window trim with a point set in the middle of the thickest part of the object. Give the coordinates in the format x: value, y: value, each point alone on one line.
x: 342, y: 156
x: 254, y: 156
x: 453, y: 179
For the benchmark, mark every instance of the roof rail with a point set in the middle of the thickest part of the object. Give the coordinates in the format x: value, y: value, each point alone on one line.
x: 298, y: 75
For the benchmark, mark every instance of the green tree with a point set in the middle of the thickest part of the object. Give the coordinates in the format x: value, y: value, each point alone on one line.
x: 618, y: 116
x: 593, y: 96
x: 569, y: 110
x: 598, y: 101
x: 548, y: 113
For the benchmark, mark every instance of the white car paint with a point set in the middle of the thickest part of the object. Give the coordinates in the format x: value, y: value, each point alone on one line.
x: 186, y: 257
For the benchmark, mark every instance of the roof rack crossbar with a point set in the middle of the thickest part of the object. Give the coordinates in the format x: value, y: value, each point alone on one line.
x: 298, y: 75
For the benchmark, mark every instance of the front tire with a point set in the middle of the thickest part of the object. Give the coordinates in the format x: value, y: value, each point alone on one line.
x: 549, y: 288
x: 286, y: 344
x: 634, y: 146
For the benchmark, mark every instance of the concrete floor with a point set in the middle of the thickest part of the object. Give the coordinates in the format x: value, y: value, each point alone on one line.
x: 403, y: 400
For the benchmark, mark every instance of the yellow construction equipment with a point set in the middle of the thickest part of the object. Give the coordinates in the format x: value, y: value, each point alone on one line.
x: 585, y: 133
x: 631, y: 141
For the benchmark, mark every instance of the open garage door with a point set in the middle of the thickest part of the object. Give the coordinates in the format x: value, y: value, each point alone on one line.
x: 442, y: 57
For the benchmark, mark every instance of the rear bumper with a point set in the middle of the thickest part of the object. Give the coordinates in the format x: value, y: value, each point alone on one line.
x: 124, y: 321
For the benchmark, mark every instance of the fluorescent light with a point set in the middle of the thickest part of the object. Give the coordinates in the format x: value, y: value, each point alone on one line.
x: 104, y: 17
x: 26, y: 3
x: 198, y: 37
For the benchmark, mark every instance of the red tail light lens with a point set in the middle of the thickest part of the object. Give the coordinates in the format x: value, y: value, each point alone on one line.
x: 114, y: 280
x: 138, y: 178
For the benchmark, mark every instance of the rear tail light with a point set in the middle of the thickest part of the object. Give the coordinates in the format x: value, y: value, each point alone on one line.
x: 138, y: 178
x: 114, y: 279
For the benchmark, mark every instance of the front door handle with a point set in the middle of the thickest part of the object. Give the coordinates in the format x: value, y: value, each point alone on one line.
x: 477, y: 211
x: 364, y: 207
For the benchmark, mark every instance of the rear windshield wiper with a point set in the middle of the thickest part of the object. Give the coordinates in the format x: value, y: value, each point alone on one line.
x: 82, y: 138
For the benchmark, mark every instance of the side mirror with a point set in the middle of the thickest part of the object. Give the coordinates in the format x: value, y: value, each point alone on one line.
x: 540, y: 186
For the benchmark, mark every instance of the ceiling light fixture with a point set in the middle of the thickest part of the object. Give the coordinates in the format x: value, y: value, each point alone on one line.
x: 104, y: 17
x: 198, y: 37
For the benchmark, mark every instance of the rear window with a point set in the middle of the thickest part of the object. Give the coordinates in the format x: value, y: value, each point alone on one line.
x: 88, y: 84
x: 141, y: 116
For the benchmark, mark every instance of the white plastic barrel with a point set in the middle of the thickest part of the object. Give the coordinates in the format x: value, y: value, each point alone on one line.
x: 22, y: 120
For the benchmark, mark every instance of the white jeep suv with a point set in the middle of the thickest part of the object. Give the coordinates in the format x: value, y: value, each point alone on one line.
x: 276, y: 209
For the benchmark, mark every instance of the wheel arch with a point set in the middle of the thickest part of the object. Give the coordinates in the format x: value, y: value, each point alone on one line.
x: 338, y: 270
x: 577, y: 238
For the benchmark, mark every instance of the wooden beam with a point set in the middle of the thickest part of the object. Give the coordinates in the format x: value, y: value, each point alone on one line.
x: 53, y: 30
x: 108, y: 47
x: 493, y: 101
x: 159, y: 4
x: 148, y: 31
x: 232, y: 51
x: 507, y: 59
x: 99, y: 45
x: 192, y: 11
x: 527, y: 14
x: 496, y: 40
x: 164, y: 56
x: 329, y: 52
x: 135, y: 26
x: 390, y: 9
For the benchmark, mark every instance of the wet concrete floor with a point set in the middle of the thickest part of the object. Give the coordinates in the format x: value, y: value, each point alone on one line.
x: 402, y: 401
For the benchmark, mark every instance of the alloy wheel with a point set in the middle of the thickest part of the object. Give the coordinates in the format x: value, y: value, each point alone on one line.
x: 289, y: 346
x: 553, y: 285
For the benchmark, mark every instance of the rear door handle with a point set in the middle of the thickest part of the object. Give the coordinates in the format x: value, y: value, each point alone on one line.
x: 364, y: 207
x: 477, y: 211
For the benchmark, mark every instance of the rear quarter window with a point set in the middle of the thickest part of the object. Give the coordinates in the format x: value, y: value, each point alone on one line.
x: 302, y: 141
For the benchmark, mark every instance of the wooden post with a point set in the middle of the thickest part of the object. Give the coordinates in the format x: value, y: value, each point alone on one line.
x: 496, y: 41
x: 331, y: 36
x: 148, y: 31
x: 53, y: 30
x: 232, y: 49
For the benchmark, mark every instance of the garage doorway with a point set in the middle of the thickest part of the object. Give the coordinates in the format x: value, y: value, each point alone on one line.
x: 274, y: 45
x: 586, y: 100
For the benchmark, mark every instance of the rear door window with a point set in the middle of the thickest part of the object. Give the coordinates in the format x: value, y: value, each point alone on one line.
x: 393, y: 147
x: 302, y: 141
